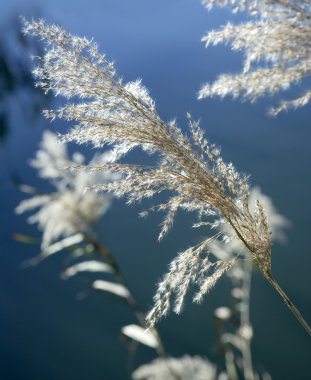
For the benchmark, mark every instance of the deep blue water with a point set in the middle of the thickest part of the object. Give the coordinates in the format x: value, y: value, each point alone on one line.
x: 45, y: 332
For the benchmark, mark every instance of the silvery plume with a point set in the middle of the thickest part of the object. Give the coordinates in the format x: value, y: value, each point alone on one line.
x: 183, y: 368
x: 187, y: 168
x: 276, y: 46
x: 69, y: 209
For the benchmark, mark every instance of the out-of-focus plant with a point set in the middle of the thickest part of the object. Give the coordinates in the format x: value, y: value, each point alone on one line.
x: 184, y: 368
x: 67, y: 217
x: 70, y: 208
x: 233, y: 323
x: 276, y: 45
x: 190, y: 169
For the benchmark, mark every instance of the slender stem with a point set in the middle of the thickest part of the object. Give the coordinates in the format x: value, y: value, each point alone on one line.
x: 245, y: 321
x: 268, y: 275
x: 288, y: 302
x: 131, y: 301
x: 246, y: 287
x: 230, y: 366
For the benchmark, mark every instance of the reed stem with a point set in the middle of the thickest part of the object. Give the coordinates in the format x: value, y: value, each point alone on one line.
x: 288, y: 302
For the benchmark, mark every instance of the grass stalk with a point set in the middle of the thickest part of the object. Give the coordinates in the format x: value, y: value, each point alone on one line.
x: 268, y: 275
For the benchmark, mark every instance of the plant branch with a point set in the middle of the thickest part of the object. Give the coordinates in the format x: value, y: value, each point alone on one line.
x: 268, y: 275
x: 288, y: 302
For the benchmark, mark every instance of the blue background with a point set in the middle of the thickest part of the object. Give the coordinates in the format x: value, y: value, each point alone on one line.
x: 45, y: 332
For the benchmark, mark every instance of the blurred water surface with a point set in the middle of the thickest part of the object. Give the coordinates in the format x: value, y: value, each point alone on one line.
x: 45, y: 332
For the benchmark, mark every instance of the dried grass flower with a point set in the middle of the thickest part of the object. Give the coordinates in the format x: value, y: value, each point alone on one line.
x: 70, y: 208
x: 276, y: 45
x: 183, y: 368
x: 187, y: 168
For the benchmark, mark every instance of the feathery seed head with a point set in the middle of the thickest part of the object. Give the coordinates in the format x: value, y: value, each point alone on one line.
x: 190, y: 169
x: 276, y: 45
x: 69, y: 209
x: 183, y: 368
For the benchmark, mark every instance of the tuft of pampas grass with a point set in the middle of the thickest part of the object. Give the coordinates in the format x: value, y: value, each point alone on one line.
x: 183, y: 368
x: 69, y: 209
x: 276, y: 45
x: 189, y: 168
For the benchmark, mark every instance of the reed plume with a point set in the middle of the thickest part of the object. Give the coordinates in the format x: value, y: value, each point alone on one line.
x: 276, y: 46
x: 188, y: 168
x: 68, y: 209
x: 183, y: 368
